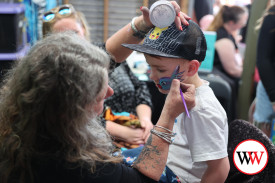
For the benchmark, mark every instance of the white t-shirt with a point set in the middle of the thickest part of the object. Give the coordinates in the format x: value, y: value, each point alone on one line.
x: 200, y: 138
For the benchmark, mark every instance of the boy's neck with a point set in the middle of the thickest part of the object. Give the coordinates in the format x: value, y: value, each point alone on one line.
x: 195, y: 80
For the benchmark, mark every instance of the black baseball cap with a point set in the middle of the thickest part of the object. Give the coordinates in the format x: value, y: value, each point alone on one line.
x: 170, y: 42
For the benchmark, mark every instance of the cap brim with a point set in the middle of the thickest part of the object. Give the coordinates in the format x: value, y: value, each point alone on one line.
x: 148, y: 50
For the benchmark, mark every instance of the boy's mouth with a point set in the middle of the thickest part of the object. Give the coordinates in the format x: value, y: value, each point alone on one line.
x: 159, y: 86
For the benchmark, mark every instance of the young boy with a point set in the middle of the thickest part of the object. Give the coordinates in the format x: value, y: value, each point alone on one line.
x: 199, y: 150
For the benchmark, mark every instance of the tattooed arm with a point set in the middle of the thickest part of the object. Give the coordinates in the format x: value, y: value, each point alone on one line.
x: 152, y: 159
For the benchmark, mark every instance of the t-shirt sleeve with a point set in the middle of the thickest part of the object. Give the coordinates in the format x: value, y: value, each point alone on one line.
x: 207, y: 135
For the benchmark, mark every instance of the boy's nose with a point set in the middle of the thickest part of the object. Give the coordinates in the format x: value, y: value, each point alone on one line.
x: 152, y: 75
x: 110, y: 92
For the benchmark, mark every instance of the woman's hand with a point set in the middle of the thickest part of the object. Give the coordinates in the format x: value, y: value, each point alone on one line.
x: 174, y: 106
x: 145, y: 23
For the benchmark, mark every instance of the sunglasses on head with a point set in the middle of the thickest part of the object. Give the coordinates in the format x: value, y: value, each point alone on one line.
x: 63, y: 11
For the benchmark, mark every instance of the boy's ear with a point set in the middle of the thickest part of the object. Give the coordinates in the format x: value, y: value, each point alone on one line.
x: 193, y: 67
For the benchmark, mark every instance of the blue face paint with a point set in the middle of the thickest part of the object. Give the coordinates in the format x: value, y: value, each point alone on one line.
x: 165, y: 82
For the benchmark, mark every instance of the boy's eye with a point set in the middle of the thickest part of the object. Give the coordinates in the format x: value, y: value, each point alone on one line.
x: 160, y: 70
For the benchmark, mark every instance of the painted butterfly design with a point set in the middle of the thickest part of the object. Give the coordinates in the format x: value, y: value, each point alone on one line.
x: 165, y: 82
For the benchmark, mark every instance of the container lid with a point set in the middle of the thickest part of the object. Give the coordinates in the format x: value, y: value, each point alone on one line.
x: 162, y: 14
x: 11, y: 8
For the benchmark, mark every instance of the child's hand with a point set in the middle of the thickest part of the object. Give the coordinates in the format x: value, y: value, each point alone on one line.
x: 133, y: 135
x: 147, y: 125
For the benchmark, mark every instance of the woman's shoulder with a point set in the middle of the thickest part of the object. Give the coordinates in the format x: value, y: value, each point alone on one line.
x: 222, y: 33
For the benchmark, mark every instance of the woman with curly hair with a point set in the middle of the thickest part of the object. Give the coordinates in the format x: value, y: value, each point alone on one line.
x: 49, y: 130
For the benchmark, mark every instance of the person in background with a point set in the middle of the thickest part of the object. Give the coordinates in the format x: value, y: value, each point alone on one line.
x: 199, y: 150
x: 227, y: 23
x: 228, y: 61
x: 265, y: 95
x: 126, y: 34
x: 206, y: 21
x: 49, y: 131
x: 202, y: 8
x: 130, y: 94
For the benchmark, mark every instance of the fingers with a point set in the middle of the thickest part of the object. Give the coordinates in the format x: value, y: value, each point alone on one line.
x: 175, y: 86
x: 189, y: 94
x: 147, y: 131
x: 144, y: 10
x: 187, y: 87
x: 145, y: 14
x: 136, y: 136
x: 142, y: 124
x: 137, y: 142
x: 181, y: 17
x: 147, y: 127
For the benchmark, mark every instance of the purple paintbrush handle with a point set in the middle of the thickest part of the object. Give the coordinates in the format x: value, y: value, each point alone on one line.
x: 184, y: 103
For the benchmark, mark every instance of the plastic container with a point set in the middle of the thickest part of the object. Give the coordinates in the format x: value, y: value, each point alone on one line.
x: 162, y: 14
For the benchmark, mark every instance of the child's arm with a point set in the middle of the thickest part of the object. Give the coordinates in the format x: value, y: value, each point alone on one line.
x: 144, y: 113
x: 216, y: 171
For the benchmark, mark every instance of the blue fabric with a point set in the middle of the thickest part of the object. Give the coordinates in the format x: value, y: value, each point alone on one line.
x: 121, y: 113
x: 168, y: 176
x: 263, y: 108
x: 130, y: 155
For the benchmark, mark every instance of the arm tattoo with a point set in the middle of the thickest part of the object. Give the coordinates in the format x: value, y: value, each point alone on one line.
x: 149, y: 152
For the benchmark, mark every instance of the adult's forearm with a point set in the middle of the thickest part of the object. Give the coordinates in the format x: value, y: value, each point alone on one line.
x: 124, y: 35
x: 152, y: 160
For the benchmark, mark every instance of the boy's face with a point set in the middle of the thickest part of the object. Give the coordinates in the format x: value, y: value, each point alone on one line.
x: 162, y: 67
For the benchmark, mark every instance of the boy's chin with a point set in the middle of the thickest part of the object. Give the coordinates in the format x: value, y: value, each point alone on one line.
x: 163, y: 91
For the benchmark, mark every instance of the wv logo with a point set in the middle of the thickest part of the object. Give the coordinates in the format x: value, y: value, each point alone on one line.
x: 252, y: 156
